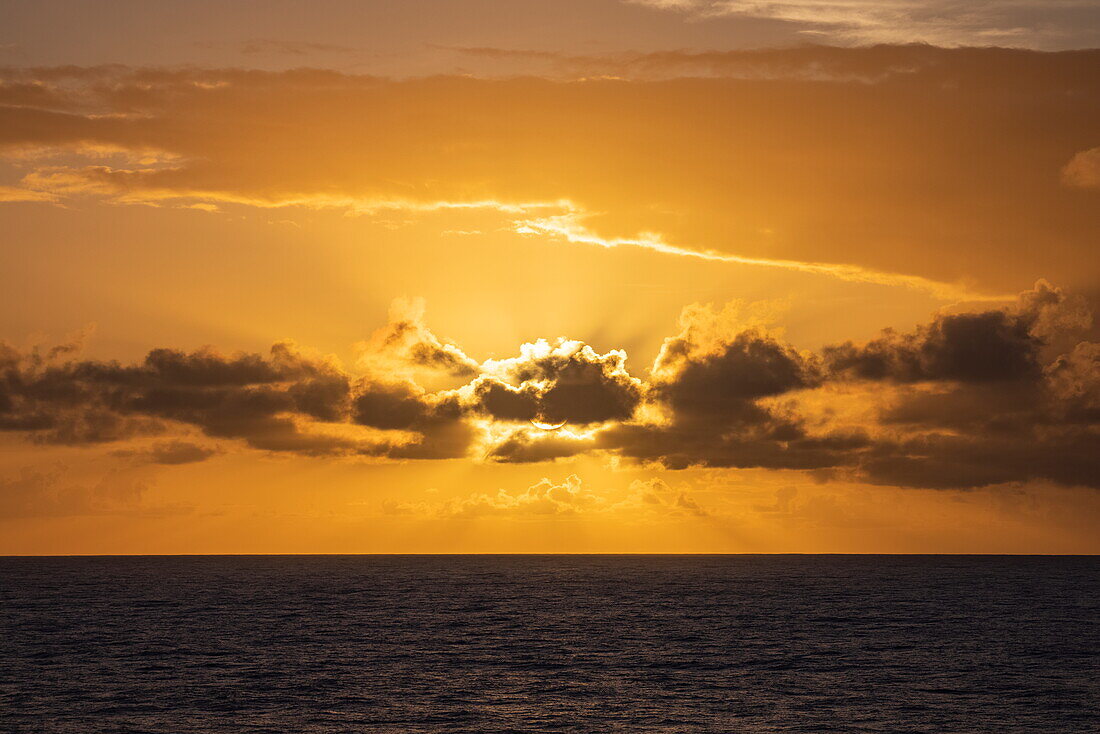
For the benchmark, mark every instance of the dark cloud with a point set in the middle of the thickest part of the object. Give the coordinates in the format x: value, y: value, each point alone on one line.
x: 986, y: 397
x: 704, y: 383
x: 437, y: 419
x: 969, y: 399
x: 971, y: 347
x: 505, y: 402
x: 566, y: 382
x: 268, y: 401
x: 169, y: 453
x: 966, y: 347
x: 713, y: 390
x: 776, y: 444
x: 999, y: 407
x: 441, y: 437
x: 324, y: 397
x: 531, y: 446
x: 979, y: 398
x: 396, y: 407
x: 946, y: 461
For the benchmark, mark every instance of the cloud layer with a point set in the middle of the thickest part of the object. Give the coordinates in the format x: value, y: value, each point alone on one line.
x: 569, y: 498
x: 807, y: 158
x: 971, y: 398
x: 942, y: 22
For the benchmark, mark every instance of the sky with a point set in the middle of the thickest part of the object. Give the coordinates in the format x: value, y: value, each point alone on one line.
x: 465, y: 276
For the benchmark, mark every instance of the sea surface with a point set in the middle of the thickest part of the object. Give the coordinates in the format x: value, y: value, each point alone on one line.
x: 305, y: 644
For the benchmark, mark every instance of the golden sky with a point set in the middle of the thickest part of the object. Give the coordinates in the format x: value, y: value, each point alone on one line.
x: 650, y: 276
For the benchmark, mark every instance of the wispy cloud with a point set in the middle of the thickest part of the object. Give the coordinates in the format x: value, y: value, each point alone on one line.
x: 821, y: 147
x: 14, y: 194
x: 279, y: 47
x: 944, y: 22
x: 569, y: 227
x: 291, y: 48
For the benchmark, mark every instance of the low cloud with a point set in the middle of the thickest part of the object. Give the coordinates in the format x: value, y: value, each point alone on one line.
x: 990, y: 346
x: 546, y: 498
x: 170, y: 453
x: 53, y: 493
x: 971, y: 398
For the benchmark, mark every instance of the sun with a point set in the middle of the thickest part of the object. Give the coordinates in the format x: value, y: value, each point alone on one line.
x: 547, y: 426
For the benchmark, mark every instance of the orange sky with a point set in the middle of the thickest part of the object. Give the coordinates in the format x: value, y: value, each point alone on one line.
x: 537, y: 286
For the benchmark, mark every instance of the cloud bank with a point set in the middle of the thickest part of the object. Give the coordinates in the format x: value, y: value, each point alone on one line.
x: 969, y: 399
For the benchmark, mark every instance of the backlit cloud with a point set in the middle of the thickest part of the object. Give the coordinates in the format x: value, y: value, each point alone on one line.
x: 569, y: 228
x: 972, y: 398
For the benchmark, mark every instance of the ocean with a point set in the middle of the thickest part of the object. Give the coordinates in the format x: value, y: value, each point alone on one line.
x: 311, y: 644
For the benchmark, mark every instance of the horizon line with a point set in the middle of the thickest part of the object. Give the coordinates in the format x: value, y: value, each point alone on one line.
x: 506, y: 553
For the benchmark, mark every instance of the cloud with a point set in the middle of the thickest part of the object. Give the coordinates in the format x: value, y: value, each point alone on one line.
x: 437, y: 419
x: 1083, y: 170
x: 971, y: 398
x: 711, y: 384
x: 946, y: 461
x: 1075, y: 380
x: 525, y: 445
x: 543, y: 498
x: 10, y: 194
x: 656, y: 495
x: 971, y: 387
x: 704, y: 381
x: 291, y: 48
x: 890, y: 21
x: 268, y: 401
x: 567, y: 381
x: 568, y: 498
x: 569, y: 228
x: 805, y: 159
x: 50, y: 493
x: 171, y: 453
x: 284, y: 401
x: 968, y: 347
x: 987, y: 401
x: 810, y: 62
x: 784, y: 497
x: 407, y: 342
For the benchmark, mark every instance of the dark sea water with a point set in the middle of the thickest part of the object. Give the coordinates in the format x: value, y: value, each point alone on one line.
x: 549, y: 644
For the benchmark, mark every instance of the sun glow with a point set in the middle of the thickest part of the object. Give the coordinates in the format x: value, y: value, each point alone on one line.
x: 547, y: 426
x: 469, y: 236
